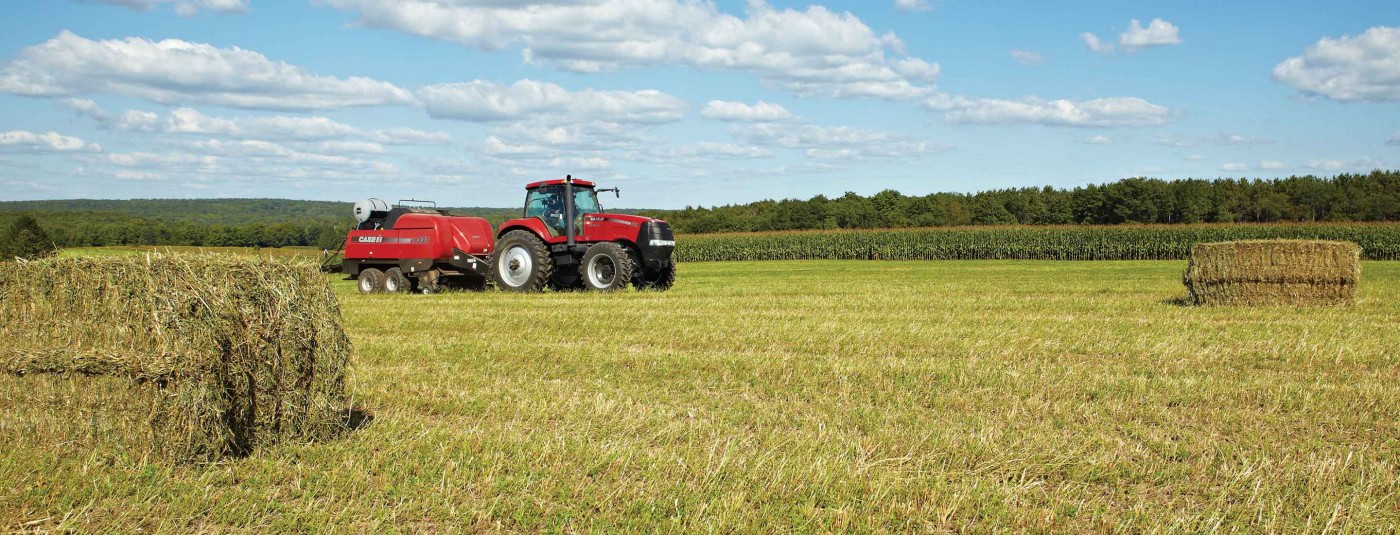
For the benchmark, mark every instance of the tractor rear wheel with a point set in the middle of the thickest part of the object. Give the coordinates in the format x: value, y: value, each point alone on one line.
x: 396, y: 282
x: 660, y: 280
x: 521, y: 262
x: 371, y: 281
x: 606, y: 267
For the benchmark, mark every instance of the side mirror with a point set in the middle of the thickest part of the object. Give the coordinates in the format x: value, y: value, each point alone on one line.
x: 617, y: 192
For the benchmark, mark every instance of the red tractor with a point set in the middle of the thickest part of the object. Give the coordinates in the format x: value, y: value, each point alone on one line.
x: 563, y: 241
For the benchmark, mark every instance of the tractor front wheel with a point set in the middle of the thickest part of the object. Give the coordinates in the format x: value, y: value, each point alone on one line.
x: 521, y: 262
x: 371, y: 281
x: 606, y: 267
x: 659, y: 280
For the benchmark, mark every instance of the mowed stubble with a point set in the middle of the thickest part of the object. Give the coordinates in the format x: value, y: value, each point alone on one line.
x: 819, y: 395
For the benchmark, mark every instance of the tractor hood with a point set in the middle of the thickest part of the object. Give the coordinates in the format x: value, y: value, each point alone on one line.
x: 652, y: 236
x: 625, y: 219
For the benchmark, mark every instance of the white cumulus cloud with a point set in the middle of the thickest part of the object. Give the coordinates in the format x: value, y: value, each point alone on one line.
x: 138, y: 120
x: 1237, y: 139
x: 815, y: 51
x: 762, y: 112
x: 167, y: 161
x: 1223, y: 139
x: 1157, y: 33
x: 180, y: 72
x: 810, y: 136
x: 583, y: 136
x: 1337, y: 166
x: 250, y: 160
x: 185, y: 7
x: 912, y: 5
x: 835, y: 142
x: 25, y: 141
x: 408, y: 136
x: 589, y: 163
x: 279, y: 127
x: 1234, y: 167
x: 696, y: 155
x: 139, y: 176
x: 190, y: 121
x: 1364, y: 68
x: 1098, y: 140
x: 1102, y: 112
x: 86, y: 107
x: 1095, y: 44
x: 1170, y: 140
x: 482, y: 100
x: 539, y: 139
x: 346, y: 147
x: 1027, y: 57
x: 495, y: 146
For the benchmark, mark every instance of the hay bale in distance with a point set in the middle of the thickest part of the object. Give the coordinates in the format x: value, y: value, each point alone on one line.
x: 179, y: 357
x: 1273, y: 272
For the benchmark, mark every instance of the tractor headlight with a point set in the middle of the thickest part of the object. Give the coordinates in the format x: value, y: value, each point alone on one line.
x: 663, y: 243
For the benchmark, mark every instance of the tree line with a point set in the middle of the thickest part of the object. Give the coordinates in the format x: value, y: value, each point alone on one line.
x: 1347, y: 197
x: 199, y: 222
x: 282, y: 223
x: 24, y: 239
x: 89, y: 229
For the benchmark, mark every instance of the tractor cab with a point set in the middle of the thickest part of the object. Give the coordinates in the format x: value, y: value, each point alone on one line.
x: 549, y: 202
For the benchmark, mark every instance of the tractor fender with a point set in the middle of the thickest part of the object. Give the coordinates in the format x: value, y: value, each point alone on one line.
x: 533, y: 226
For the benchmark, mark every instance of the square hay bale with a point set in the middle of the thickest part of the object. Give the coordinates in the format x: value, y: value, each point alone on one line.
x: 1273, y: 272
x: 166, y: 356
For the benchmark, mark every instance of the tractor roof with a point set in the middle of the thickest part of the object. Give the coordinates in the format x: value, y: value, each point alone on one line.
x: 558, y: 181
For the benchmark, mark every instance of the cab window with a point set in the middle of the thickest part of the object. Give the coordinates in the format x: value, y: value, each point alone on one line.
x: 543, y: 200
x: 586, y: 201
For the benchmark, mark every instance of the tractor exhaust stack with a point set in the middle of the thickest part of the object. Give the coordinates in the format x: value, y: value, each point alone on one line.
x: 569, y: 209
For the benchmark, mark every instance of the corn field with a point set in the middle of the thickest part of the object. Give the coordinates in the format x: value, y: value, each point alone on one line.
x: 1151, y: 242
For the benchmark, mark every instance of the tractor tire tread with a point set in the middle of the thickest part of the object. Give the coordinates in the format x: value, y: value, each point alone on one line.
x: 371, y: 277
x: 659, y: 280
x: 399, y: 280
x: 540, y: 258
x: 622, y: 265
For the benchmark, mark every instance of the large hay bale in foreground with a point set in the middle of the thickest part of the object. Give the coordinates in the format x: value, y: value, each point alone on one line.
x: 179, y: 357
x: 1273, y: 272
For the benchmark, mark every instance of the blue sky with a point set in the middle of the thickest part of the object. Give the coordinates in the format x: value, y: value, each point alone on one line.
x: 679, y: 102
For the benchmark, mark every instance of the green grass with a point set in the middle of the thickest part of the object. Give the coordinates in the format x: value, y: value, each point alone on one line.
x: 814, y: 396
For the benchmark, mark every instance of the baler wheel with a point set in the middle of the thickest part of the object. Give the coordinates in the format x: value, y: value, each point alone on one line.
x: 606, y: 267
x: 521, y: 262
x: 371, y: 281
x: 428, y: 282
x: 396, y: 282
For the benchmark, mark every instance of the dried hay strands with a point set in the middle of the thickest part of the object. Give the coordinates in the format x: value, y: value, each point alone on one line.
x: 182, y: 357
x: 1273, y: 272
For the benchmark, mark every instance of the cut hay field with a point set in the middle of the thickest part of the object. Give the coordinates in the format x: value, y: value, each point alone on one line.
x: 812, y: 396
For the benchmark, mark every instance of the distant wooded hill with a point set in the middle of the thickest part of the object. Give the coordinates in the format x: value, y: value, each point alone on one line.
x: 1348, y: 197
x: 278, y: 222
x: 201, y: 222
